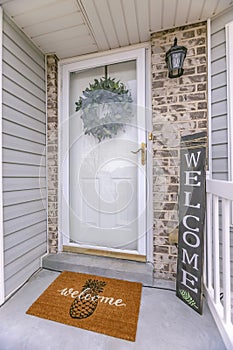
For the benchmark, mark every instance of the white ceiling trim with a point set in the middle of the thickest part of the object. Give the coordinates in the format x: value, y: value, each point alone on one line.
x: 69, y: 27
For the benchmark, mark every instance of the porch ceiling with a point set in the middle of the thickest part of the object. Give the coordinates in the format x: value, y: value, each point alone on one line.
x: 76, y: 27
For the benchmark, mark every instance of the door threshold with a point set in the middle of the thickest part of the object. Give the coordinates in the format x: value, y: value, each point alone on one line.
x: 105, y: 253
x: 101, y: 266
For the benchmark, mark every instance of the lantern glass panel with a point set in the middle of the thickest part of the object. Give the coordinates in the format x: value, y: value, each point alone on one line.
x: 176, y: 59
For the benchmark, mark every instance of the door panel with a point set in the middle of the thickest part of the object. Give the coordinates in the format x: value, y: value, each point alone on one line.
x: 103, y: 195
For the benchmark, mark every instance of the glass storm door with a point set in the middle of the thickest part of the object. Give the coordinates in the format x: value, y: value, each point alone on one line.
x: 104, y: 179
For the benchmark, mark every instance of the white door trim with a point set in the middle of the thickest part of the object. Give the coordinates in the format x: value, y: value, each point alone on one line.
x: 2, y: 288
x: 149, y: 171
x: 65, y: 68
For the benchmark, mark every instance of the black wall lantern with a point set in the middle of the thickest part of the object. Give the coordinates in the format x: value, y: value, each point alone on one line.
x: 175, y: 58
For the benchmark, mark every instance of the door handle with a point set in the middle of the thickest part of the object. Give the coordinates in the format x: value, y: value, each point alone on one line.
x: 142, y: 149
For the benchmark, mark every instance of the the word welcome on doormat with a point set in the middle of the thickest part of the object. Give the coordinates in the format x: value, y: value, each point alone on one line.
x: 99, y: 304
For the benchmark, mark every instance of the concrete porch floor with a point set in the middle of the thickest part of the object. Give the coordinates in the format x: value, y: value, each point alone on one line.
x: 165, y: 323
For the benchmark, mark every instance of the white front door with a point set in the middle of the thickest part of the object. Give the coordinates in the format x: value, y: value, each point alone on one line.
x: 104, y: 182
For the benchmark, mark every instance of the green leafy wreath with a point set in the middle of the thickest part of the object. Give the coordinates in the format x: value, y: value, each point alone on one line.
x: 106, y: 107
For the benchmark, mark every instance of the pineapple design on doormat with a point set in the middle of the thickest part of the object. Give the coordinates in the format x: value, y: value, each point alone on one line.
x: 85, y: 305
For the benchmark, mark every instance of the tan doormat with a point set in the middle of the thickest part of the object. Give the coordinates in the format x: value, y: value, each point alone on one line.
x: 99, y: 304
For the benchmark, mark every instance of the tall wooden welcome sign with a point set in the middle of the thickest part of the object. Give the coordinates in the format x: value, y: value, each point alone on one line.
x: 189, y: 286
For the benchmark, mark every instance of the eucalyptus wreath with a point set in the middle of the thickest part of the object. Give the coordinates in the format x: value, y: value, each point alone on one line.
x: 106, y: 107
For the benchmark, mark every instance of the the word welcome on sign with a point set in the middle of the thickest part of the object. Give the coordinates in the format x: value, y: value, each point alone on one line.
x: 189, y: 286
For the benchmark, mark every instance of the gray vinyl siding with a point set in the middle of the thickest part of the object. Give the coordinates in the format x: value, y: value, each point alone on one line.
x: 219, y: 131
x: 219, y: 122
x: 24, y: 162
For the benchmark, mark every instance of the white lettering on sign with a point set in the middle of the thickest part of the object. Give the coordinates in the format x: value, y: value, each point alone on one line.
x: 193, y: 234
x: 187, y: 201
x: 189, y: 280
x: 191, y: 216
x: 187, y: 260
x: 190, y: 159
x: 87, y: 296
x: 190, y: 179
x: 186, y: 217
